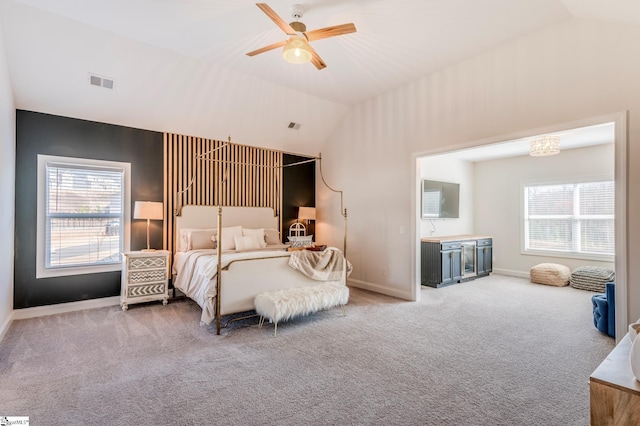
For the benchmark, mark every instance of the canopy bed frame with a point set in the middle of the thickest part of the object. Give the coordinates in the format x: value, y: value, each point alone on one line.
x: 232, y: 293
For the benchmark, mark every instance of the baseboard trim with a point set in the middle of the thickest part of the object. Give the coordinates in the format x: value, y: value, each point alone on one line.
x: 512, y: 273
x: 5, y: 327
x: 41, y: 311
x: 400, y: 294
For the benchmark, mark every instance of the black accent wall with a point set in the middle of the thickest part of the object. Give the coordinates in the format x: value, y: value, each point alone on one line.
x: 299, y: 190
x: 38, y: 133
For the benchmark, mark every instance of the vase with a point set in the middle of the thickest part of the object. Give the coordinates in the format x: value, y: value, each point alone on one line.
x: 634, y: 354
x: 634, y: 330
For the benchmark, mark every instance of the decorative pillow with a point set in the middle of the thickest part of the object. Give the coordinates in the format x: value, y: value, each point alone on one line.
x: 228, y: 234
x: 247, y: 242
x: 306, y: 241
x: 272, y: 237
x: 202, y: 240
x: 258, y: 232
x: 184, y: 239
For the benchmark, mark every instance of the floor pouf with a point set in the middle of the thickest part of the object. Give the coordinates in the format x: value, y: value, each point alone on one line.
x: 591, y: 278
x: 550, y: 274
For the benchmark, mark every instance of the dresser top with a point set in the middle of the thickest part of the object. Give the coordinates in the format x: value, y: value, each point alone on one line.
x: 448, y: 238
x: 615, y: 370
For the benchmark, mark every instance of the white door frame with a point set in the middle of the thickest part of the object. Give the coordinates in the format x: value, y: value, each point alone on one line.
x: 620, y: 176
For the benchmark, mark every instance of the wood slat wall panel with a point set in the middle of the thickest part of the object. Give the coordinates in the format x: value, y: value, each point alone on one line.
x: 194, y: 168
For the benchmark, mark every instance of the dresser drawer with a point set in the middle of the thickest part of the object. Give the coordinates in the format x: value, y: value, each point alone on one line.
x: 145, y: 290
x: 147, y: 262
x: 451, y: 246
x: 485, y: 242
x: 149, y: 275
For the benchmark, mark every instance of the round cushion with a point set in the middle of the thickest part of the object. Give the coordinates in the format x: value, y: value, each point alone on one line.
x: 550, y: 274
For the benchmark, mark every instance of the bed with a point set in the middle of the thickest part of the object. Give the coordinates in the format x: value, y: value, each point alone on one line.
x: 240, y: 273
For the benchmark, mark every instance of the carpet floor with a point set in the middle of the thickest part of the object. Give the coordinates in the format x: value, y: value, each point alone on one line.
x: 494, y: 351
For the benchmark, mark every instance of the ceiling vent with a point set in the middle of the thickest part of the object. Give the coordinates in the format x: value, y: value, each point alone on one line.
x: 96, y: 80
x: 294, y: 126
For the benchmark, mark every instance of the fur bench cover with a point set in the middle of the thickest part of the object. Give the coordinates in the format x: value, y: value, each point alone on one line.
x: 550, y: 274
x: 285, y: 304
x: 591, y: 278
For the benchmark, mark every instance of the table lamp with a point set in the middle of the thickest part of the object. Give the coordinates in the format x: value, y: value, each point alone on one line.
x: 149, y: 210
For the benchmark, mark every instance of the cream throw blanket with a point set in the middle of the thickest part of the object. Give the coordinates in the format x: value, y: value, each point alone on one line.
x: 326, y: 265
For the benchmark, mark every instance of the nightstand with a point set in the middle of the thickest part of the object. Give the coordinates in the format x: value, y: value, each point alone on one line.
x: 145, y: 277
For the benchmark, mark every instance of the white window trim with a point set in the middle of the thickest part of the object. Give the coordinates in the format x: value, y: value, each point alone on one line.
x: 559, y: 254
x: 41, y: 270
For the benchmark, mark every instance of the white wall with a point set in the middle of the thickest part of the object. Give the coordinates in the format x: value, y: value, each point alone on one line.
x: 572, y: 71
x: 498, y: 202
x: 446, y: 169
x: 7, y: 189
x: 50, y: 58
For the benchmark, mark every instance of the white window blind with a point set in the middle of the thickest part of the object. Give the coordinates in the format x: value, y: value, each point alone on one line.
x: 83, y: 211
x: 573, y: 218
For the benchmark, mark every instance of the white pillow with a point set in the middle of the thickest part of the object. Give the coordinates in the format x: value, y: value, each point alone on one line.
x: 247, y: 242
x: 228, y: 234
x: 306, y: 241
x: 184, y: 239
x: 258, y: 232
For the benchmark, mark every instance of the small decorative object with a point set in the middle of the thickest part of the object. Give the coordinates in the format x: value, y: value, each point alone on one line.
x: 634, y: 354
x: 297, y: 230
x: 303, y: 242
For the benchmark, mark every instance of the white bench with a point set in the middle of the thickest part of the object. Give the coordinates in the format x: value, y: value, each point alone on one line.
x: 282, y: 305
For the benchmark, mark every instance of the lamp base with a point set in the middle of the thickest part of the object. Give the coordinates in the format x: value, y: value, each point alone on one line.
x: 147, y: 250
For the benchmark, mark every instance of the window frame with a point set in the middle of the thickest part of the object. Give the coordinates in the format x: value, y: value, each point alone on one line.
x: 41, y: 239
x: 561, y: 254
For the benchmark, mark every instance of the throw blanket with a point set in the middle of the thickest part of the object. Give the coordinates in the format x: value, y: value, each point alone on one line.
x: 326, y: 265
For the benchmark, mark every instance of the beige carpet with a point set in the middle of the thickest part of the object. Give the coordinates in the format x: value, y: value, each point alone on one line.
x: 494, y: 351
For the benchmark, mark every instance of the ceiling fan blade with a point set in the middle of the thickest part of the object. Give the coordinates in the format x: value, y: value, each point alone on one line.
x: 333, y: 31
x: 267, y: 48
x: 316, y: 60
x: 275, y: 18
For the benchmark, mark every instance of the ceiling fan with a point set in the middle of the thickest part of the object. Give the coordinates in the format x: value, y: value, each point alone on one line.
x: 297, y: 48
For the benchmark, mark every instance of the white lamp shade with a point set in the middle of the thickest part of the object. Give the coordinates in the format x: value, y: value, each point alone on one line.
x: 307, y: 213
x: 296, y: 51
x: 148, y: 210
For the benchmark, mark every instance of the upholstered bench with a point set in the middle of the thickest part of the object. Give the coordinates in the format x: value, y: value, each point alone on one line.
x: 282, y: 305
x: 604, y: 310
x: 550, y: 274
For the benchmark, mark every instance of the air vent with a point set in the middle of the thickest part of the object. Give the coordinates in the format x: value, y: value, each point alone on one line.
x: 96, y: 80
x: 294, y: 126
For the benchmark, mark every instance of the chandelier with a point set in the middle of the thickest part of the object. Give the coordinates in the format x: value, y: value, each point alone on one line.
x: 544, y: 145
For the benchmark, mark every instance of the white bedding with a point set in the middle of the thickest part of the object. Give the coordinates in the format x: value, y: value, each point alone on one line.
x: 199, y: 267
x: 242, y: 279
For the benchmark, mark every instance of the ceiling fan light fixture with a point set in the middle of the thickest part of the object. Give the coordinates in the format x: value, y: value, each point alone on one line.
x: 544, y: 145
x: 296, y: 51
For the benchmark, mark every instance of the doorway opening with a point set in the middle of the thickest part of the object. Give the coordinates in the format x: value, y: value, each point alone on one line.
x: 491, y: 174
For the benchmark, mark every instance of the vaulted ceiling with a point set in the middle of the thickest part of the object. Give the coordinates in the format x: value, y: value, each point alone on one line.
x: 181, y: 65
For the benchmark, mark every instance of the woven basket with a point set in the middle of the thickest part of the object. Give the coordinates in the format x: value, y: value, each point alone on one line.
x: 550, y: 274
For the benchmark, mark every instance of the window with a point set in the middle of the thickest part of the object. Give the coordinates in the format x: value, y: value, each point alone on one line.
x: 83, y: 211
x: 431, y: 203
x: 570, y: 219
